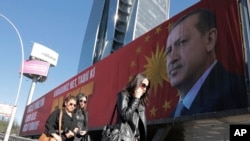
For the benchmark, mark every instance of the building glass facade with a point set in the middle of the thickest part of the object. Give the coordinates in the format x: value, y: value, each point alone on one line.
x: 114, y: 23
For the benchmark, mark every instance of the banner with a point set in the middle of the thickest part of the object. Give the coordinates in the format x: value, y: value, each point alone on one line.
x: 146, y: 54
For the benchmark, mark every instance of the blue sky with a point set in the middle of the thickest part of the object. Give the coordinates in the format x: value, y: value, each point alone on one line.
x: 59, y: 25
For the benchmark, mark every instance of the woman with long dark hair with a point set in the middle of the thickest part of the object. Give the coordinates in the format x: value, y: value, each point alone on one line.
x: 131, y: 104
x: 82, y: 118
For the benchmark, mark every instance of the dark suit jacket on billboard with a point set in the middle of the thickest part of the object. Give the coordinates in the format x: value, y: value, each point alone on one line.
x: 222, y: 90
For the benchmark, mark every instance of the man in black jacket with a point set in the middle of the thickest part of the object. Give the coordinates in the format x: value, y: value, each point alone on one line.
x: 202, y: 81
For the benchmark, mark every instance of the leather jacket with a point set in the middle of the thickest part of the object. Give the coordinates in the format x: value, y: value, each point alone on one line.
x: 130, y: 110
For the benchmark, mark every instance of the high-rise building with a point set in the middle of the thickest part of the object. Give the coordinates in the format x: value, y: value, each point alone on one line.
x: 114, y: 23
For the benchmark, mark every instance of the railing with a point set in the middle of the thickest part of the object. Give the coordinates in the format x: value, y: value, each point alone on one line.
x: 15, y: 138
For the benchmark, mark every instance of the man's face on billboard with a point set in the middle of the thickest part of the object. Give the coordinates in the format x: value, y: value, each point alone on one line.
x: 187, y: 56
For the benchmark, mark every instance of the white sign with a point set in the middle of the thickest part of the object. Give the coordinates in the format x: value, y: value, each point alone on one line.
x: 42, y: 52
x: 5, y: 110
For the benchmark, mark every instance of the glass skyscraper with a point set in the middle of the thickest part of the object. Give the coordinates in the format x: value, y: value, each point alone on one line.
x: 114, y: 23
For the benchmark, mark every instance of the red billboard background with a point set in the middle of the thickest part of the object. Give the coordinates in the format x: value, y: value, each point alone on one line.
x: 146, y: 54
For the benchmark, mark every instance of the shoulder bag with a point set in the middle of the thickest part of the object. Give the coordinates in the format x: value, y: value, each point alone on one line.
x: 117, y: 132
x: 44, y: 137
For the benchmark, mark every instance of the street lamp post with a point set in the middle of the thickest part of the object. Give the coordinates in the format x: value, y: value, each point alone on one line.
x: 7, y: 134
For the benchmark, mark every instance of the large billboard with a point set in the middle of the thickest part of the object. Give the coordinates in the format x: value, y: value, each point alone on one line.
x: 148, y: 54
x: 44, y: 53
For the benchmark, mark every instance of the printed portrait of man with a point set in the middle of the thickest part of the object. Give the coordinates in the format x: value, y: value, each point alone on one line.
x: 202, y: 81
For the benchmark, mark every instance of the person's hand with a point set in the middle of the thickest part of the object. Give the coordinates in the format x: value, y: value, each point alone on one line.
x: 138, y: 92
x: 70, y: 134
x: 57, y: 137
x: 83, y: 132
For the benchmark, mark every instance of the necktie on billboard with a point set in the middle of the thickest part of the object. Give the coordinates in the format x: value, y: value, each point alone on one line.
x: 180, y: 110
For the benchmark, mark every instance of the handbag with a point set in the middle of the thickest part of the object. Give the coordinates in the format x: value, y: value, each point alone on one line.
x: 44, y: 137
x: 117, y: 132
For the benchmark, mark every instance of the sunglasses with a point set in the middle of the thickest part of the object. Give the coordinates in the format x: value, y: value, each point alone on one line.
x: 144, y: 86
x: 84, y: 101
x: 71, y: 104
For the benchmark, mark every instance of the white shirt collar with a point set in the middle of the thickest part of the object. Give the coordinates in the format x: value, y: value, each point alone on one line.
x: 192, y: 93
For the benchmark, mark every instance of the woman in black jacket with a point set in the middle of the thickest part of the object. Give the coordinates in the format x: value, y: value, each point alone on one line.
x: 68, y: 128
x: 131, y: 104
x: 82, y: 118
